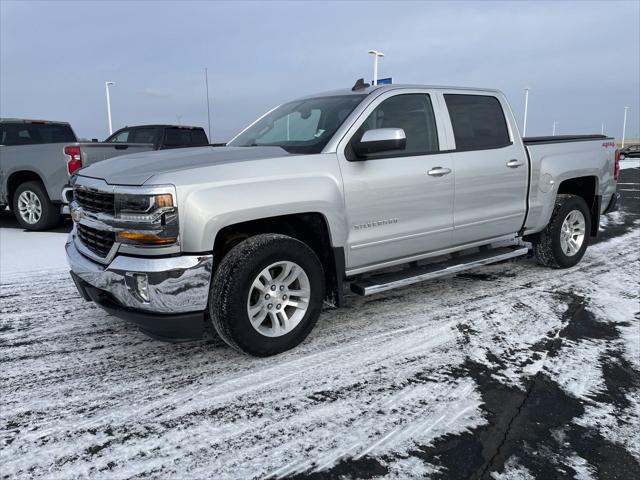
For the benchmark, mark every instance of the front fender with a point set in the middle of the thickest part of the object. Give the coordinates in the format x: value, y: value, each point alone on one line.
x: 275, y: 187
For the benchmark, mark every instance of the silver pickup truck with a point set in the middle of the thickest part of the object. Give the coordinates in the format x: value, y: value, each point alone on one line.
x: 375, y: 187
x: 37, y: 157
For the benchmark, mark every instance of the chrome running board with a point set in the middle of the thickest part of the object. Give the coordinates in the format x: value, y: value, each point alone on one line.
x: 388, y: 281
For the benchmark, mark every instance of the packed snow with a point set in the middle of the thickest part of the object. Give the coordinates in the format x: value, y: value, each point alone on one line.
x: 430, y: 381
x: 23, y: 252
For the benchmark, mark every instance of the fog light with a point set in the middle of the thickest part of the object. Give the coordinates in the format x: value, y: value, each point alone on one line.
x: 138, y: 284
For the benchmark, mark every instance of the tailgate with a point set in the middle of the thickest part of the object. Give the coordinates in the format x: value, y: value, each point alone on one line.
x: 96, y: 152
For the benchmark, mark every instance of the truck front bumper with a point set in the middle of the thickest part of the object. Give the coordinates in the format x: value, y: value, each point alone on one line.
x: 165, y: 296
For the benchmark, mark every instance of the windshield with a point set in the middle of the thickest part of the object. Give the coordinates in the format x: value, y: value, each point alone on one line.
x: 303, y: 126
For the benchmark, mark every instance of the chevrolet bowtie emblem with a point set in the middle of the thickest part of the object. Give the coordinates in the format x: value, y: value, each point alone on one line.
x: 76, y: 214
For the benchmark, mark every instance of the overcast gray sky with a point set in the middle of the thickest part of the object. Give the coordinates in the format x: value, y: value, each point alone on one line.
x: 580, y: 59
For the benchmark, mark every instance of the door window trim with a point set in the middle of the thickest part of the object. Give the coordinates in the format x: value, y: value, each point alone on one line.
x: 348, y: 151
x: 446, y: 112
x: 436, y: 105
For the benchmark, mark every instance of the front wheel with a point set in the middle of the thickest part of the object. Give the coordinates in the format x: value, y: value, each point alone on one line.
x: 267, y: 294
x: 563, y: 242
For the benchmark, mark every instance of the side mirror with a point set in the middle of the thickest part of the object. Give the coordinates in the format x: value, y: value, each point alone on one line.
x: 381, y: 140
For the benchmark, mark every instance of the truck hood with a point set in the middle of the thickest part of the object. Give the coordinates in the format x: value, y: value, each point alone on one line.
x: 137, y: 168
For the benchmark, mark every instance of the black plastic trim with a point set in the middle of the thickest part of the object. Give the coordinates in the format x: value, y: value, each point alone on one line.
x: 479, y: 149
x: 340, y: 265
x: 613, y: 204
x: 595, y: 215
x: 563, y: 139
x: 168, y: 327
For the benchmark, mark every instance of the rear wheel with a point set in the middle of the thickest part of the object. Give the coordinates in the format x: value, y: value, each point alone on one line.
x: 267, y: 294
x: 32, y: 207
x: 563, y: 242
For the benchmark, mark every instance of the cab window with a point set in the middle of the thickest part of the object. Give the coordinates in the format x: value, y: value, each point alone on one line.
x: 414, y: 114
x: 120, y: 137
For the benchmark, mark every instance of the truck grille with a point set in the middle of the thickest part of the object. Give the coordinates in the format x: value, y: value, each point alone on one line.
x: 98, y: 241
x: 94, y: 200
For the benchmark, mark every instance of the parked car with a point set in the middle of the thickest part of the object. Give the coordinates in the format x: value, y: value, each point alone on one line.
x: 136, y: 139
x: 631, y: 151
x: 37, y: 158
x: 378, y: 187
x: 161, y: 136
x: 33, y: 169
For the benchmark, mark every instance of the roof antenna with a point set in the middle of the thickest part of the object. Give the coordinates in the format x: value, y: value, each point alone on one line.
x: 359, y: 85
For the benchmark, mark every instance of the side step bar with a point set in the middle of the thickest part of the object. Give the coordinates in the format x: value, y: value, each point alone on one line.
x: 388, y: 281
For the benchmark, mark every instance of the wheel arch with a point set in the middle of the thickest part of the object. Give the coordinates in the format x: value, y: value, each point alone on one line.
x: 17, y: 178
x: 311, y: 228
x: 586, y: 187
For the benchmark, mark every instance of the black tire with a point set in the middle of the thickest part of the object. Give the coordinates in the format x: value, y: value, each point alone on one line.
x: 230, y: 290
x: 50, y: 214
x: 547, y: 246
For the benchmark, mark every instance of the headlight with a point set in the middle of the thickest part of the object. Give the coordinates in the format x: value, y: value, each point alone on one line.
x: 147, y: 219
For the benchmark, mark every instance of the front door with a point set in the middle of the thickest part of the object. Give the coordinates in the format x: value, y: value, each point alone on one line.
x: 398, y: 203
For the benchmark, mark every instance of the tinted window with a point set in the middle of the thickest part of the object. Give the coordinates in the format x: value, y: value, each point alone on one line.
x: 143, y: 135
x: 198, y: 137
x: 33, y: 134
x: 177, y: 137
x: 414, y: 114
x: 478, y: 122
x: 303, y: 126
x: 120, y: 137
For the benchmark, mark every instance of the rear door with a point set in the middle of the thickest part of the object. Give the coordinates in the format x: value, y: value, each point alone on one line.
x: 395, y: 208
x: 491, y: 169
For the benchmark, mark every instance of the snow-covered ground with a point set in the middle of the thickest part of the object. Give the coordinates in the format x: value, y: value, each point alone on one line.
x: 629, y: 163
x: 511, y: 371
x: 23, y: 252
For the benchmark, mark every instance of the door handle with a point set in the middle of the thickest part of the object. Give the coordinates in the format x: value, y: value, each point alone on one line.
x: 438, y: 171
x: 514, y: 163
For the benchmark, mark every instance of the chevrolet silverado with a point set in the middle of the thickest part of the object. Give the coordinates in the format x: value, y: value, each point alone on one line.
x: 371, y: 188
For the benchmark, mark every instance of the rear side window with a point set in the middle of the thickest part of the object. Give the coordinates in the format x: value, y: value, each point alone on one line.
x: 478, y: 122
x: 414, y: 114
x: 143, y: 135
x: 176, y: 137
x: 198, y: 137
x: 34, y: 134
x: 184, y: 137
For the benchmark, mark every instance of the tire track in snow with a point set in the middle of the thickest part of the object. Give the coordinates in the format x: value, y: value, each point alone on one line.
x: 202, y: 408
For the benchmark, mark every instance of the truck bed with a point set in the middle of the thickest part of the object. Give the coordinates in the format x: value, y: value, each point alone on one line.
x: 555, y: 159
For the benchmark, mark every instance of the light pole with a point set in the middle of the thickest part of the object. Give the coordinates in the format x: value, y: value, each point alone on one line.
x: 624, y: 126
x: 206, y: 81
x: 376, y: 54
x: 554, y: 128
x: 106, y: 86
x: 526, y: 108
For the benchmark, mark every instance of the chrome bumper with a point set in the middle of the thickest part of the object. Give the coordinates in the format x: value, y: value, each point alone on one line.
x: 175, y: 284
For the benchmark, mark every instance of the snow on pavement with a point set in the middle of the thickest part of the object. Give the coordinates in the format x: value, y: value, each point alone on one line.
x: 22, y: 252
x: 86, y: 394
x: 511, y: 371
x: 629, y: 163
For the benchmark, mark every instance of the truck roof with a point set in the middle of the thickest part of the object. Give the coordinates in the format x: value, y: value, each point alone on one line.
x: 384, y: 88
x: 160, y: 125
x: 27, y: 120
